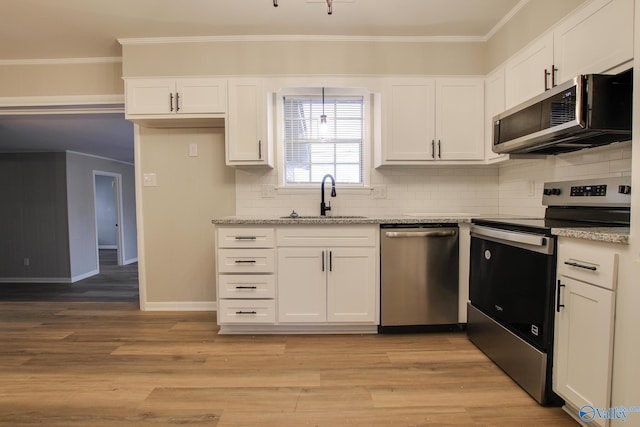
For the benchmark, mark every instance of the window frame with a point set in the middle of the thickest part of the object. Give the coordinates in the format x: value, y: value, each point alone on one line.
x: 367, y: 139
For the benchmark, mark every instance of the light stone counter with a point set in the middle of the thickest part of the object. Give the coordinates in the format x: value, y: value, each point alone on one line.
x: 351, y: 220
x: 601, y: 234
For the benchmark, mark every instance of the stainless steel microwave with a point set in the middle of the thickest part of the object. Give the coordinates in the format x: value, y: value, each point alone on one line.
x: 587, y: 111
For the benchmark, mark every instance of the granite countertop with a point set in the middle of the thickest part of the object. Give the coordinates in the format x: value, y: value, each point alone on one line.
x: 618, y: 235
x: 336, y: 220
x: 601, y: 234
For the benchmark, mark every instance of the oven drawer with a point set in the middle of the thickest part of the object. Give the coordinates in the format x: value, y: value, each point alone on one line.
x: 590, y: 262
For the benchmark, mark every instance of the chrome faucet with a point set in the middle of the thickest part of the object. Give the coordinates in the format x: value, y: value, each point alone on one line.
x: 326, y: 207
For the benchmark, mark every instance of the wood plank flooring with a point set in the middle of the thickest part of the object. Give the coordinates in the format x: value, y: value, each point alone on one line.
x: 69, y: 363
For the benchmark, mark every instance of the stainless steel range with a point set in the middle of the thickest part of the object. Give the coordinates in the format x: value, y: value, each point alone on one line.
x: 512, y: 277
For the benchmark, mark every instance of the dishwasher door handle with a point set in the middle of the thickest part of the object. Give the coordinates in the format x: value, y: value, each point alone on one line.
x: 438, y: 233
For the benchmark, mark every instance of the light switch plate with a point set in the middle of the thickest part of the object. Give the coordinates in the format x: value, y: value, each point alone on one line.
x: 379, y: 191
x: 193, y: 150
x: 149, y: 180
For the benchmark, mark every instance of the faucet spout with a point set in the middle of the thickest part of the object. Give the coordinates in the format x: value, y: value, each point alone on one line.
x: 326, y: 207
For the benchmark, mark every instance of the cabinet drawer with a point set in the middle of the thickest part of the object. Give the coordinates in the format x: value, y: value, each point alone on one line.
x: 590, y: 262
x: 327, y: 235
x: 247, y: 237
x: 246, y: 311
x: 246, y: 286
x: 246, y: 260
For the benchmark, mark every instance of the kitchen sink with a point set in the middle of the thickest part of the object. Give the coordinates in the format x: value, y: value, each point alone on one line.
x: 323, y: 217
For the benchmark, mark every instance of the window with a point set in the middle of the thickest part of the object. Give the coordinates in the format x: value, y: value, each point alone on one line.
x: 313, y: 149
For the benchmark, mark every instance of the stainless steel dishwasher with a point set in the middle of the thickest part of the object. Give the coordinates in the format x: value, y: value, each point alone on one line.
x: 418, y: 277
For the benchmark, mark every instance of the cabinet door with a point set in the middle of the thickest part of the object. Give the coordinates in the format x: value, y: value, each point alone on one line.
x: 201, y: 95
x: 409, y: 120
x: 493, y: 104
x: 525, y: 72
x: 595, y: 39
x: 302, y: 296
x: 246, y: 142
x: 459, y: 119
x: 150, y: 96
x: 583, y: 345
x: 351, y: 290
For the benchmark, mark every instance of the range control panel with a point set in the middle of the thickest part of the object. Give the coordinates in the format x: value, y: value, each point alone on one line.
x: 588, y: 190
x: 595, y: 192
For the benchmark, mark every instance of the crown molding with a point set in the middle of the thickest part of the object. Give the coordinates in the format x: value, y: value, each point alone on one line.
x: 61, y: 104
x: 302, y: 38
x: 59, y: 61
x: 505, y: 19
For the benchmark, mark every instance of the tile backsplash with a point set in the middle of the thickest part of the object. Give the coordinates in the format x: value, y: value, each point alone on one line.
x: 513, y: 187
x: 394, y: 190
x: 521, y: 181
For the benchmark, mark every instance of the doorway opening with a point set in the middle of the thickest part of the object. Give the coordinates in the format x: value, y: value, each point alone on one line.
x: 108, y: 209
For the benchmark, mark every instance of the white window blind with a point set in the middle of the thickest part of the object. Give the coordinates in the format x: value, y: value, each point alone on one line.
x: 309, y: 152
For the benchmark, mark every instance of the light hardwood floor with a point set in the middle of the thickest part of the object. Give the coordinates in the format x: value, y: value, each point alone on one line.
x: 109, y: 364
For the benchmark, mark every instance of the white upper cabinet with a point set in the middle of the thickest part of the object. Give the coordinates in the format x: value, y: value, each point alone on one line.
x: 460, y: 119
x: 493, y: 104
x: 422, y: 120
x: 594, y: 39
x: 529, y: 72
x: 162, y: 96
x: 409, y: 120
x: 247, y: 142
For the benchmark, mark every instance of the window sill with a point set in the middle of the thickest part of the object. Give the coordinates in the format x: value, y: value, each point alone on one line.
x: 316, y: 188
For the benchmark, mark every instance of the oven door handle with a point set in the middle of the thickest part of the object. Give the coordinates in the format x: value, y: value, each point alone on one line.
x: 509, y: 236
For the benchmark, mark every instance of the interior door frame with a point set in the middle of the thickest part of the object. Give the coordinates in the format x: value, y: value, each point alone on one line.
x: 119, y: 214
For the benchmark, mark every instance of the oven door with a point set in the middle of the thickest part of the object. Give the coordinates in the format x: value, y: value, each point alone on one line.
x: 512, y: 281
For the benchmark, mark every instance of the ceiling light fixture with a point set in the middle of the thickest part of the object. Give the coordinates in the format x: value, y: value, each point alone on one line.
x: 329, y: 6
x: 323, y: 119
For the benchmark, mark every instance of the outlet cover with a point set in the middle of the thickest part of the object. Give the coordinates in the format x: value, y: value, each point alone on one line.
x: 149, y: 180
x: 268, y: 191
x: 379, y: 191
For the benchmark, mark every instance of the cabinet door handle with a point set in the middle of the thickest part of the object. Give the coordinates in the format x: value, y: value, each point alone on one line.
x: 259, y: 149
x: 586, y: 267
x: 246, y: 238
x: 330, y: 260
x: 433, y: 148
x: 546, y: 79
x: 246, y: 287
x: 171, y: 102
x: 177, y: 102
x: 322, y: 260
x: 439, y: 151
x: 245, y: 261
x: 558, y: 305
x: 246, y: 312
x: 554, y: 72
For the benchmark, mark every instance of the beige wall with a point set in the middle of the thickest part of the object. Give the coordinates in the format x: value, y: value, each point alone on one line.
x: 310, y: 57
x: 53, y: 79
x: 177, y: 231
x: 532, y: 20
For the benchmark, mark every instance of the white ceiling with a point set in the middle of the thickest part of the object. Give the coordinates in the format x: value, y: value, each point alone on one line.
x: 51, y: 29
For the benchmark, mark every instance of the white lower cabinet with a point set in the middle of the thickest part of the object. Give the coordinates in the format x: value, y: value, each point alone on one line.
x: 302, y: 278
x: 584, y: 327
x: 326, y: 285
x: 246, y: 275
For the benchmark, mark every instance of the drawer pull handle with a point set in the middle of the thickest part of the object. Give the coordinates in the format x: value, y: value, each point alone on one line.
x: 246, y: 287
x: 586, y: 267
x: 245, y: 261
x: 246, y: 238
x: 246, y: 312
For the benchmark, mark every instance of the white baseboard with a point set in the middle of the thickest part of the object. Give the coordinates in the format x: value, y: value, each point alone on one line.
x: 35, y: 280
x: 86, y: 275
x: 180, y: 306
x: 130, y: 261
